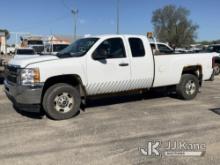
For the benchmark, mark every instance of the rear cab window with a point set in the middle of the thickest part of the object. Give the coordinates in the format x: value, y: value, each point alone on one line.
x: 137, y: 47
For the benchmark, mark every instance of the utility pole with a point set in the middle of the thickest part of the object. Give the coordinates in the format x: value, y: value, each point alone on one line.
x: 118, y: 16
x: 75, y: 14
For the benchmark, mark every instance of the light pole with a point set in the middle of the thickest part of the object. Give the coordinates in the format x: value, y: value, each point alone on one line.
x: 75, y: 13
x: 118, y: 16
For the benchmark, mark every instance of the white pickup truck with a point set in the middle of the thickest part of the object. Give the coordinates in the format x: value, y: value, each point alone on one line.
x: 101, y: 65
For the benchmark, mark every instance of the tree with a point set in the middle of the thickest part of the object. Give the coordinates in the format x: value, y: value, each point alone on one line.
x: 171, y: 24
x: 6, y: 33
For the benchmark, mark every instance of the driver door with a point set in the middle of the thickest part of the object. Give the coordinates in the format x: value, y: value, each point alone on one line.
x: 112, y: 73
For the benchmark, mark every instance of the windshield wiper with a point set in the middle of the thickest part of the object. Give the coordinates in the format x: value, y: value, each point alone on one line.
x: 63, y: 55
x: 78, y: 54
x: 66, y: 55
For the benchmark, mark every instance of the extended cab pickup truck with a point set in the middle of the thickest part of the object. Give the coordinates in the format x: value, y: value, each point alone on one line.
x: 100, y: 65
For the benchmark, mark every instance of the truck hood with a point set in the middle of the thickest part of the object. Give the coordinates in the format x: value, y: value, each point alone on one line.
x: 23, y: 62
x: 26, y: 56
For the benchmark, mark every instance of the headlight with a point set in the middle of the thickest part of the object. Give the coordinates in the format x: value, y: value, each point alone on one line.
x: 30, y: 76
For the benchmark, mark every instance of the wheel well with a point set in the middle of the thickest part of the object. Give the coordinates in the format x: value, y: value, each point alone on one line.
x: 194, y: 70
x: 217, y: 60
x: 73, y: 80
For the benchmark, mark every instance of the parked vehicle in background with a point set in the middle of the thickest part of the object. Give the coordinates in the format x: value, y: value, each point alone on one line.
x: 215, y: 48
x: 56, y: 43
x: 100, y: 65
x: 25, y: 53
x: 55, y: 48
x: 162, y: 47
x: 182, y: 50
x: 37, y: 45
x: 33, y: 42
x: 10, y: 50
x: 195, y: 50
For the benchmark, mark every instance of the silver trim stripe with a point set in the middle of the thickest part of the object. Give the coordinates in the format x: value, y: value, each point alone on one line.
x: 117, y: 86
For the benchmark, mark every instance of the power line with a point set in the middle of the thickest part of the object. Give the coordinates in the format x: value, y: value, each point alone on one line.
x: 39, y: 24
x: 65, y: 5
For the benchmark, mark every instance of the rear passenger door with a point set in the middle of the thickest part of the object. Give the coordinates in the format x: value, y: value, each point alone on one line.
x: 142, y: 64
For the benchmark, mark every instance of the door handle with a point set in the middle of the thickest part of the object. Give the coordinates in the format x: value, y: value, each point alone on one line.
x: 123, y: 64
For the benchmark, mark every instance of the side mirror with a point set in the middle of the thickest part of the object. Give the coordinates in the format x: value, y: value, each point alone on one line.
x: 100, y: 54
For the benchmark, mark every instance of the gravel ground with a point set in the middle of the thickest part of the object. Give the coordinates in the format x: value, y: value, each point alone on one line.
x: 111, y: 131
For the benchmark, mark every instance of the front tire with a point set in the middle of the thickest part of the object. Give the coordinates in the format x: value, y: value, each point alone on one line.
x: 188, y: 87
x: 61, y: 101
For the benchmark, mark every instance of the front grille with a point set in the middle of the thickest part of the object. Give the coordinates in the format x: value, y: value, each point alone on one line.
x: 11, y: 73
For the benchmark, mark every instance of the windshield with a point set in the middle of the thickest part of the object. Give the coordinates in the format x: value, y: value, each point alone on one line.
x: 35, y: 42
x: 25, y: 52
x: 78, y: 48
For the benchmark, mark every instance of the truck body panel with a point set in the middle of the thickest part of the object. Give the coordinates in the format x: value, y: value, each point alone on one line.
x: 169, y: 68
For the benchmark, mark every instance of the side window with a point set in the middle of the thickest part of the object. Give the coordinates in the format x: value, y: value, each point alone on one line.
x: 137, y: 47
x: 113, y: 48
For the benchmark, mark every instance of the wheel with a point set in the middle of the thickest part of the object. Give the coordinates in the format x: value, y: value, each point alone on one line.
x: 61, y: 101
x: 188, y: 87
x: 217, y: 69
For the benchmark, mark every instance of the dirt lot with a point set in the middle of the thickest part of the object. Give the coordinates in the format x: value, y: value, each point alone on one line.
x: 112, y: 130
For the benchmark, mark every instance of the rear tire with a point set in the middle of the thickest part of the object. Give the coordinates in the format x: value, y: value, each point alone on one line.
x: 188, y: 87
x: 217, y: 69
x: 61, y: 101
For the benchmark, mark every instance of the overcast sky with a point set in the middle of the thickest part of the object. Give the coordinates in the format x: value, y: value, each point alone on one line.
x: 99, y: 16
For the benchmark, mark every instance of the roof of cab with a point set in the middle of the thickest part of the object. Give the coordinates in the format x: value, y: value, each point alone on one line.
x: 115, y: 35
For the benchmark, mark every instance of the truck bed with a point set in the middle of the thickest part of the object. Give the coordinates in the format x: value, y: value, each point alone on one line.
x: 168, y: 68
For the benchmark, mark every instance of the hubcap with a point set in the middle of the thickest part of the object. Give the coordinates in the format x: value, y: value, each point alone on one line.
x: 190, y: 87
x: 63, y: 102
x: 217, y: 69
